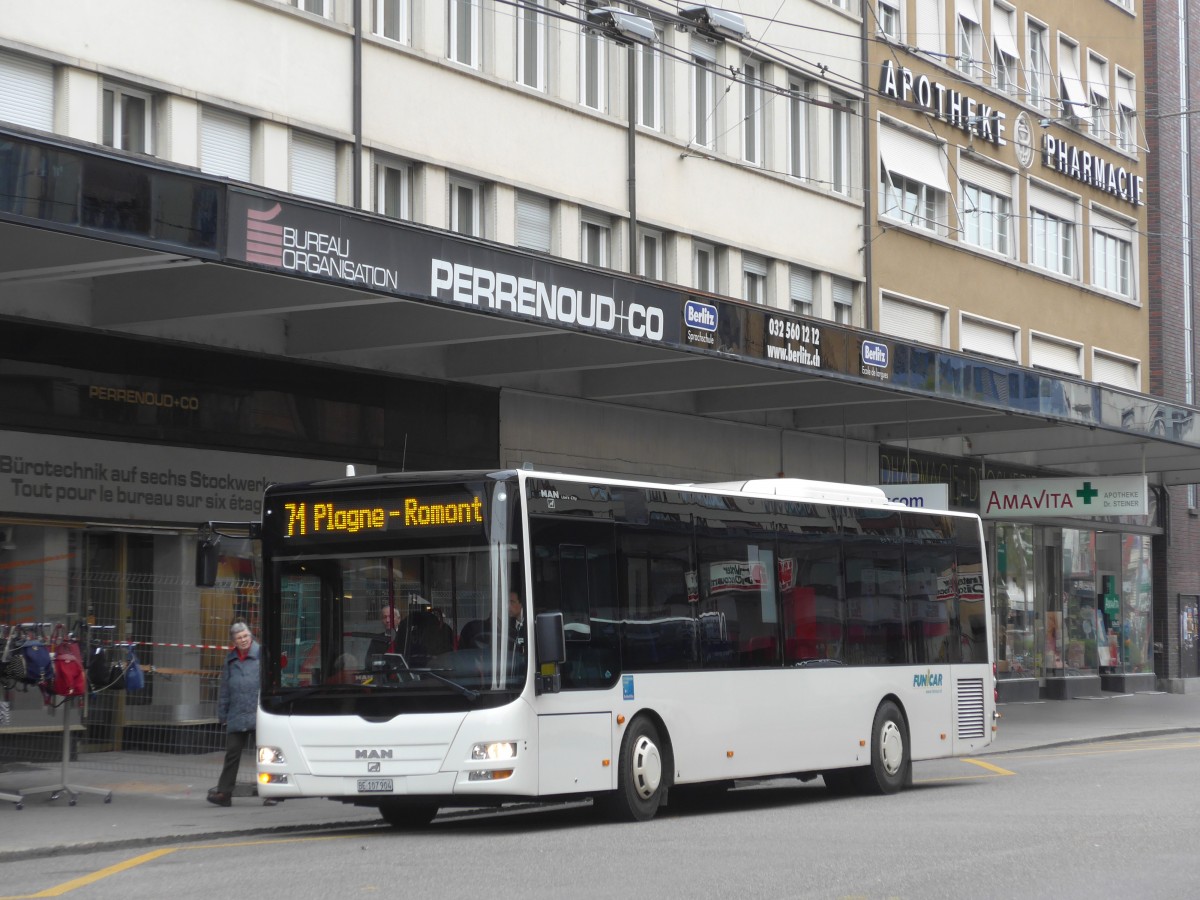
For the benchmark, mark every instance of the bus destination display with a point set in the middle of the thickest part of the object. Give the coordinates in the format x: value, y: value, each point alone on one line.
x: 315, y: 517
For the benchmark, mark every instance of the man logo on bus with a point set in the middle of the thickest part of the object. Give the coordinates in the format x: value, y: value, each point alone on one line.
x: 929, y: 679
x: 372, y: 754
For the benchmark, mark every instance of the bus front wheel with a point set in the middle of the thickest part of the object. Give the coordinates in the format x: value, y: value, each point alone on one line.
x: 407, y: 815
x: 891, y: 763
x: 639, y: 776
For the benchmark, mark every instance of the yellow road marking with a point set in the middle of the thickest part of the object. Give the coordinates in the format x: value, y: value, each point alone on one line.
x: 989, y: 767
x: 91, y: 878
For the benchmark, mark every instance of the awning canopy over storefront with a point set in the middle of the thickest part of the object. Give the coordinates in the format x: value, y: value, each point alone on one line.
x: 88, y: 240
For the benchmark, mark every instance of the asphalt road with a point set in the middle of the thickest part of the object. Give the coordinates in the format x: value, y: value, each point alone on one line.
x: 1106, y: 819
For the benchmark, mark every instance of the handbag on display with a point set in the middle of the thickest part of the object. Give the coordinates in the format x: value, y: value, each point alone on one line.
x: 69, y: 677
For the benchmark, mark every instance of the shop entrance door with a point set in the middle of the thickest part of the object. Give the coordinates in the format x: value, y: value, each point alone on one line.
x: 1189, y: 635
x: 117, y: 589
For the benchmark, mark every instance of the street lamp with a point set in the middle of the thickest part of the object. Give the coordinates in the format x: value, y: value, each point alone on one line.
x: 716, y: 22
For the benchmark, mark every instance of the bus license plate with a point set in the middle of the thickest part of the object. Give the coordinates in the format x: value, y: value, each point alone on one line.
x: 374, y: 785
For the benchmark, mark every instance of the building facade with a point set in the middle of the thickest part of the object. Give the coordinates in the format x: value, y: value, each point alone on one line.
x: 686, y: 243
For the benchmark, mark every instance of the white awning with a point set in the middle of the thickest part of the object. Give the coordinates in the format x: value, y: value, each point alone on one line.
x: 1006, y: 41
x: 966, y: 9
x: 903, y: 154
x: 1072, y: 87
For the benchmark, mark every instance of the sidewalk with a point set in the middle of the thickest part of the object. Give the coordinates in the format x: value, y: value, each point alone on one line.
x: 154, y: 802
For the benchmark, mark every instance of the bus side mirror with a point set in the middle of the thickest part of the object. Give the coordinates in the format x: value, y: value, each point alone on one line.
x: 551, y: 640
x: 207, y: 554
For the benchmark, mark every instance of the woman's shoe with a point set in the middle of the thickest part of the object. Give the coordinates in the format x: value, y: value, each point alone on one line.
x: 219, y: 799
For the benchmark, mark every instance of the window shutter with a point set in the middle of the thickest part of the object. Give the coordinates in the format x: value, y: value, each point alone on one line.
x: 988, y: 338
x: 1057, y: 355
x: 1120, y: 373
x: 1058, y: 205
x: 913, y: 321
x: 225, y: 144
x: 755, y: 265
x: 533, y: 222
x: 313, y: 167
x: 930, y: 27
x: 998, y: 181
x: 800, y: 285
x: 26, y: 92
x: 843, y: 291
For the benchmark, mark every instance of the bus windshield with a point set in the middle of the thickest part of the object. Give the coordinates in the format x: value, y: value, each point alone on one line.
x: 418, y: 613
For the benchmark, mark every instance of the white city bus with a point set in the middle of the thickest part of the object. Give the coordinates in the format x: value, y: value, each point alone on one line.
x: 681, y: 635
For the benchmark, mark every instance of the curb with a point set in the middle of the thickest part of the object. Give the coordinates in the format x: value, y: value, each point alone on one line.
x: 1095, y: 739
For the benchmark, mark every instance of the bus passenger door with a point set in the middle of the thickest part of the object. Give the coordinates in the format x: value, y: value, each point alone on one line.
x: 575, y: 753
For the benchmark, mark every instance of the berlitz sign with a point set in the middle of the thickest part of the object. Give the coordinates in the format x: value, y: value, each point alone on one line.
x: 1034, y: 498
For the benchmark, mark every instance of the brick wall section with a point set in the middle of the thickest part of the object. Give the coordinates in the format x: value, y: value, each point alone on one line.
x: 1177, y: 554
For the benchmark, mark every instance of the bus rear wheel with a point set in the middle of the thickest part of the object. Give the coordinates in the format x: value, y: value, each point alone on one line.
x: 891, y: 764
x: 640, y: 786
x: 407, y: 815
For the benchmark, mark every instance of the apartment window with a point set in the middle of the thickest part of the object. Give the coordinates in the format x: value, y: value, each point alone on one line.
x: 1112, y: 255
x: 800, y: 290
x: 463, y: 33
x: 986, y: 218
x: 1004, y: 44
x: 930, y: 31
x: 391, y: 19
x: 842, y: 290
x: 312, y: 168
x: 1037, y: 47
x: 913, y: 321
x: 887, y: 15
x: 754, y: 278
x: 1056, y: 355
x: 705, y: 266
x: 986, y: 206
x: 531, y: 45
x: 799, y: 127
x: 466, y: 207
x: 26, y: 92
x: 1119, y: 371
x: 533, y: 222
x: 704, y: 94
x: 989, y: 338
x: 593, y: 86
x: 317, y: 7
x: 595, y: 235
x: 841, y: 173
x: 1126, y: 113
x: 1097, y: 86
x: 968, y: 38
x: 126, y: 120
x: 650, y: 85
x: 393, y: 188
x: 651, y: 251
x: 752, y: 112
x: 224, y: 144
x: 1052, y: 223
x: 1073, y: 102
x: 914, y: 186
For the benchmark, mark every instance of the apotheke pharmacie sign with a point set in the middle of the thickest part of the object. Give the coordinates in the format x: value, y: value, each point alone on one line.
x: 1033, y: 498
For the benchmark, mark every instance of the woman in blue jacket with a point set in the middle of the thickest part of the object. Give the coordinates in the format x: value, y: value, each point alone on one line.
x: 237, y: 707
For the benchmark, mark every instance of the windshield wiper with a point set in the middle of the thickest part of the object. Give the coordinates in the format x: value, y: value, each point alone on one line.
x: 461, y: 688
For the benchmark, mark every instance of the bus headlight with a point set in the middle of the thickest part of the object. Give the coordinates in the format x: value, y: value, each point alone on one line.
x: 495, y: 750
x: 270, y: 755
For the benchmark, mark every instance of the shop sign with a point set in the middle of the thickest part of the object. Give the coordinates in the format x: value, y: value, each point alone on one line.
x: 953, y: 107
x: 921, y: 496
x: 1093, y: 169
x: 1033, y: 498
x: 81, y: 478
